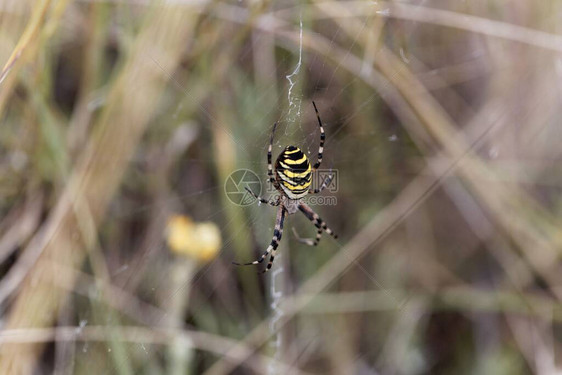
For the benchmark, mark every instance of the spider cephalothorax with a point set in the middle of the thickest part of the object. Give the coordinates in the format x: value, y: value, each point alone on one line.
x: 293, y: 179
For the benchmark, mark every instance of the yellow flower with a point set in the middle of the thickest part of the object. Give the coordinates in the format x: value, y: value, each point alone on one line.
x: 201, y: 241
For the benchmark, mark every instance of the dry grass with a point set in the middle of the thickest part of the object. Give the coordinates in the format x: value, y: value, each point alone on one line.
x: 442, y: 120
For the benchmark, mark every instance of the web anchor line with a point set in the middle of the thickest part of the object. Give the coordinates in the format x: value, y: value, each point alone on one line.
x: 278, y: 313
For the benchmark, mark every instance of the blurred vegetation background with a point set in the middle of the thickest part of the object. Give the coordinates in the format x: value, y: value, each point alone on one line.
x: 122, y: 120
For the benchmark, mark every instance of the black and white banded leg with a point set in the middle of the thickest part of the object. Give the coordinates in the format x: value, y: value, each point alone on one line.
x: 262, y: 200
x: 272, y: 248
x: 316, y: 220
x: 322, y: 138
x: 269, y: 149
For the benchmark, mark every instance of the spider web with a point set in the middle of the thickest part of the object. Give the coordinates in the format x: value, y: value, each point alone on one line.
x: 356, y: 142
x: 291, y: 130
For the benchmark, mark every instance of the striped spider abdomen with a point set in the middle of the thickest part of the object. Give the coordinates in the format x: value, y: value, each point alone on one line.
x: 293, y: 172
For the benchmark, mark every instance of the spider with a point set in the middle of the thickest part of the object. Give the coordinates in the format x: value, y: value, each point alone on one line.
x: 292, y: 177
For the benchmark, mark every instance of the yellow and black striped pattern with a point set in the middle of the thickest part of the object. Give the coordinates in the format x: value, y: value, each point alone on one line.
x: 293, y: 172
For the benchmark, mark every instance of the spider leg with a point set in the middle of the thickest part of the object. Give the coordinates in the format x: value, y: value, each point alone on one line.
x: 322, y: 138
x: 269, y: 165
x: 324, y: 185
x: 274, y: 204
x: 272, y: 248
x: 308, y: 241
x: 316, y: 220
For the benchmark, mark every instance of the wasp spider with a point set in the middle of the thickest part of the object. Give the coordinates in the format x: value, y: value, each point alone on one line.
x: 292, y: 177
